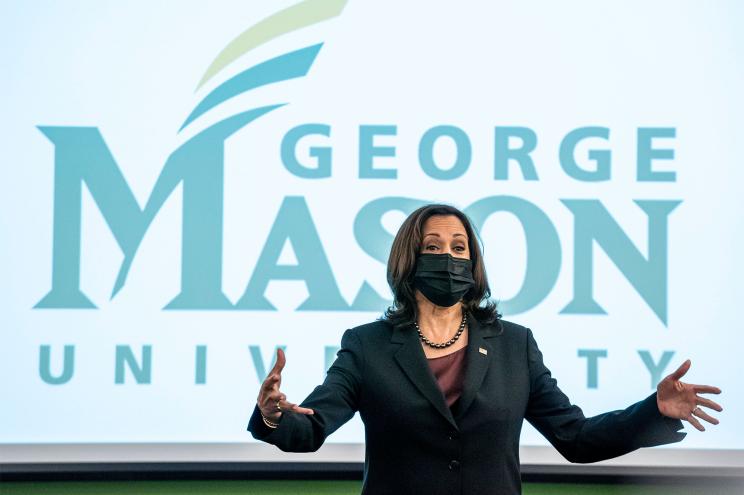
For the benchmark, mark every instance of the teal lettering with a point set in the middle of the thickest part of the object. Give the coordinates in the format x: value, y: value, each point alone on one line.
x: 201, y: 365
x: 648, y: 276
x: 368, y: 151
x: 647, y: 153
x: 543, y: 248
x: 330, y: 356
x: 322, y: 154
x: 592, y: 365
x: 81, y: 156
x: 656, y: 369
x: 462, y: 156
x: 258, y: 361
x: 142, y: 373
x: 503, y: 153
x: 601, y: 157
x: 376, y: 241
x: 45, y: 366
x: 294, y: 224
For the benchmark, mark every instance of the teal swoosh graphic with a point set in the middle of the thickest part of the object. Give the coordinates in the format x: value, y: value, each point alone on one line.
x: 287, y: 66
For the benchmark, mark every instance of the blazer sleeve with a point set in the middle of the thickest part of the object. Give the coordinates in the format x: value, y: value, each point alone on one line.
x: 607, y: 435
x: 334, y: 403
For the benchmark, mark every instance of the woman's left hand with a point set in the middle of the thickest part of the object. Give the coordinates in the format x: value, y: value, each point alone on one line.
x: 680, y: 400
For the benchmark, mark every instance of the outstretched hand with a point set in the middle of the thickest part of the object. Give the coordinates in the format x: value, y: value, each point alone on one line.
x: 680, y: 400
x: 271, y: 401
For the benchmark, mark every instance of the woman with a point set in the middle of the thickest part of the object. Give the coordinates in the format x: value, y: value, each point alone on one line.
x: 442, y: 384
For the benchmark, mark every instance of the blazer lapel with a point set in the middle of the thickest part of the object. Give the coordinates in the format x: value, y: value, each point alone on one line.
x: 478, y: 360
x: 412, y: 361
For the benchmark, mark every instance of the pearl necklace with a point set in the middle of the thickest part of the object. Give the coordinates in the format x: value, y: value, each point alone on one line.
x: 443, y: 344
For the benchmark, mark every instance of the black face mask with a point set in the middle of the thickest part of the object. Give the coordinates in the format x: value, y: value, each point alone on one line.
x: 442, y: 278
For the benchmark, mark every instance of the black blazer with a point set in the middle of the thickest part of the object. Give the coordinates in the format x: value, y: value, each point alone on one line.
x: 416, y: 444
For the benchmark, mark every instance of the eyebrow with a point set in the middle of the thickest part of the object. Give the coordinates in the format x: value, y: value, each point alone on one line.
x: 437, y: 235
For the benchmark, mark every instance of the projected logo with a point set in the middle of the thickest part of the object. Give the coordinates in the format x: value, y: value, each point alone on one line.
x: 82, y: 157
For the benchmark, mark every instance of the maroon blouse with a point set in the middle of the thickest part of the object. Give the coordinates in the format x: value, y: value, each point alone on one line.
x: 449, y: 371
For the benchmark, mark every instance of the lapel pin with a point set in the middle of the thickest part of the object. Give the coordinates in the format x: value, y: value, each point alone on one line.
x: 483, y: 351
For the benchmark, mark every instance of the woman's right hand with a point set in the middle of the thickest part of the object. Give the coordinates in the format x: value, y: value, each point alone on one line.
x: 271, y: 401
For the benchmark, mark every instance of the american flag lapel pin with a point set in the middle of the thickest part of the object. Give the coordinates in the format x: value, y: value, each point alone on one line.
x: 483, y: 351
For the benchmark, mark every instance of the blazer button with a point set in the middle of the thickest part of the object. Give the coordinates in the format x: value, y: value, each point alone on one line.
x: 452, y: 436
x: 454, y: 465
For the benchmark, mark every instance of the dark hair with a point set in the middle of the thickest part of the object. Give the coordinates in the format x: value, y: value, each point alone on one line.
x: 401, y: 268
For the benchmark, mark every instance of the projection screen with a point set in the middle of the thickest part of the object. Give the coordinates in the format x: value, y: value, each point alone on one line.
x: 188, y: 186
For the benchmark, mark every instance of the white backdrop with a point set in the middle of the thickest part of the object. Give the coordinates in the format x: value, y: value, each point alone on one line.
x: 130, y: 70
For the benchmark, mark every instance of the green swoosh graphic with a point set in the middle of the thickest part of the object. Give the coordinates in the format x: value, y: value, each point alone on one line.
x: 290, y: 19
